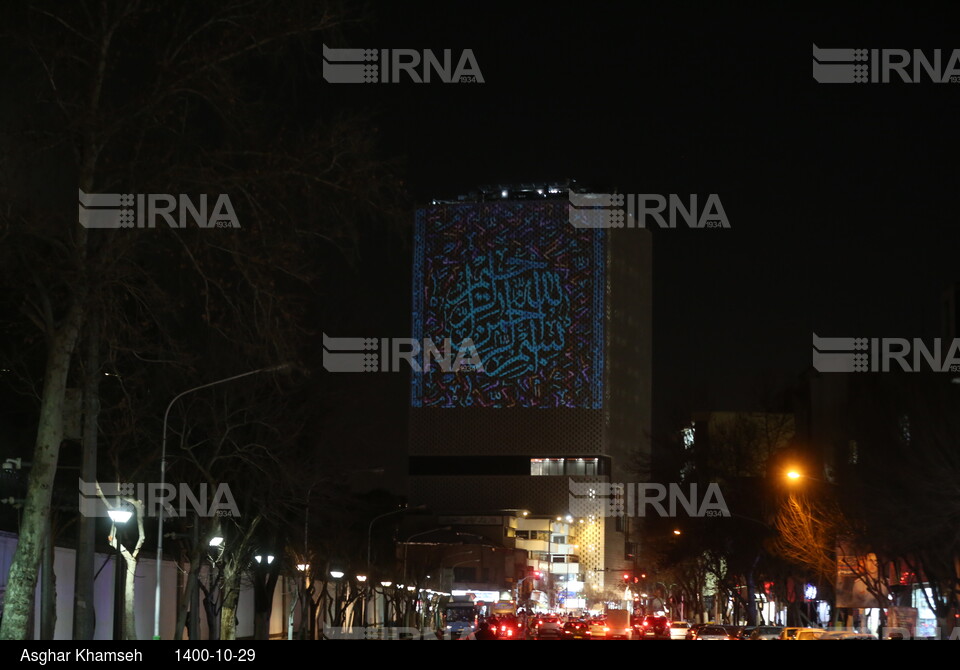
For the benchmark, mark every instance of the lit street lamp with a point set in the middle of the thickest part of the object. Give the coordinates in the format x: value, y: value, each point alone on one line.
x: 163, y: 472
x: 362, y: 579
x: 118, y: 516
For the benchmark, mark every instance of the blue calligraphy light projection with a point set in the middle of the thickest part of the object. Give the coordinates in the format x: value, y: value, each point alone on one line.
x: 527, y: 288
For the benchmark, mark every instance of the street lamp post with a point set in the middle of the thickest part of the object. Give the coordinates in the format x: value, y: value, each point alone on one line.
x: 118, y: 516
x: 381, y: 516
x: 337, y: 576
x: 385, y: 514
x: 362, y: 580
x: 795, y: 501
x: 406, y: 546
x: 163, y: 472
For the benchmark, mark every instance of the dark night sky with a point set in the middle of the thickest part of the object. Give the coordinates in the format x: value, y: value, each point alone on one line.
x: 841, y: 198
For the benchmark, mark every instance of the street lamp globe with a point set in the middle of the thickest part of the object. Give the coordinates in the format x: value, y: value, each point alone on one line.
x: 120, y: 515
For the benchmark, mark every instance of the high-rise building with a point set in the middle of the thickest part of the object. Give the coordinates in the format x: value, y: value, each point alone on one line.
x: 560, y: 317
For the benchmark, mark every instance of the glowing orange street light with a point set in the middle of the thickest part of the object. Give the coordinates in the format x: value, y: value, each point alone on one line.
x: 793, y: 474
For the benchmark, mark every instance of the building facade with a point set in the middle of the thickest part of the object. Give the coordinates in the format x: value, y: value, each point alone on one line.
x: 560, y: 319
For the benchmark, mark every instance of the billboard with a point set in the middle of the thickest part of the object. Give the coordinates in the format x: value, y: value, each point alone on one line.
x: 854, y: 569
x: 522, y: 285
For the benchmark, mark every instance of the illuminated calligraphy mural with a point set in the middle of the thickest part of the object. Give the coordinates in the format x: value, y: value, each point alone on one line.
x: 527, y: 288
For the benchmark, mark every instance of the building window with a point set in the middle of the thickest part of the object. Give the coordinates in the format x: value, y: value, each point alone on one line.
x: 564, y: 466
x: 564, y: 558
x: 542, y: 535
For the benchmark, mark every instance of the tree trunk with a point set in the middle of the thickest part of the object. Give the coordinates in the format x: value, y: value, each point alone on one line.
x: 212, y: 608
x: 22, y: 582
x: 84, y: 614
x: 263, y: 588
x: 261, y: 626
x: 129, y: 622
x: 191, y: 597
x: 752, y: 595
x: 48, y: 594
x: 228, y: 614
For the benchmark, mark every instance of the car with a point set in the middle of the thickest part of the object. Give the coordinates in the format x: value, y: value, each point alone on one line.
x: 713, y: 632
x: 809, y: 633
x: 692, y: 631
x: 576, y: 630
x: 735, y: 632
x: 655, y: 628
x: 509, y: 628
x: 549, y: 627
x: 598, y: 627
x: 789, y: 633
x: 679, y: 630
x: 765, y: 633
x: 847, y: 635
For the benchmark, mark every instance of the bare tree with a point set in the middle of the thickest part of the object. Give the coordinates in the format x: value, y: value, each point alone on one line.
x: 142, y: 96
x: 808, y: 535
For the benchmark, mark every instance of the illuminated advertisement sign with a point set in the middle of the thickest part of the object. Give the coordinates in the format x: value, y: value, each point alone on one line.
x: 518, y: 282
